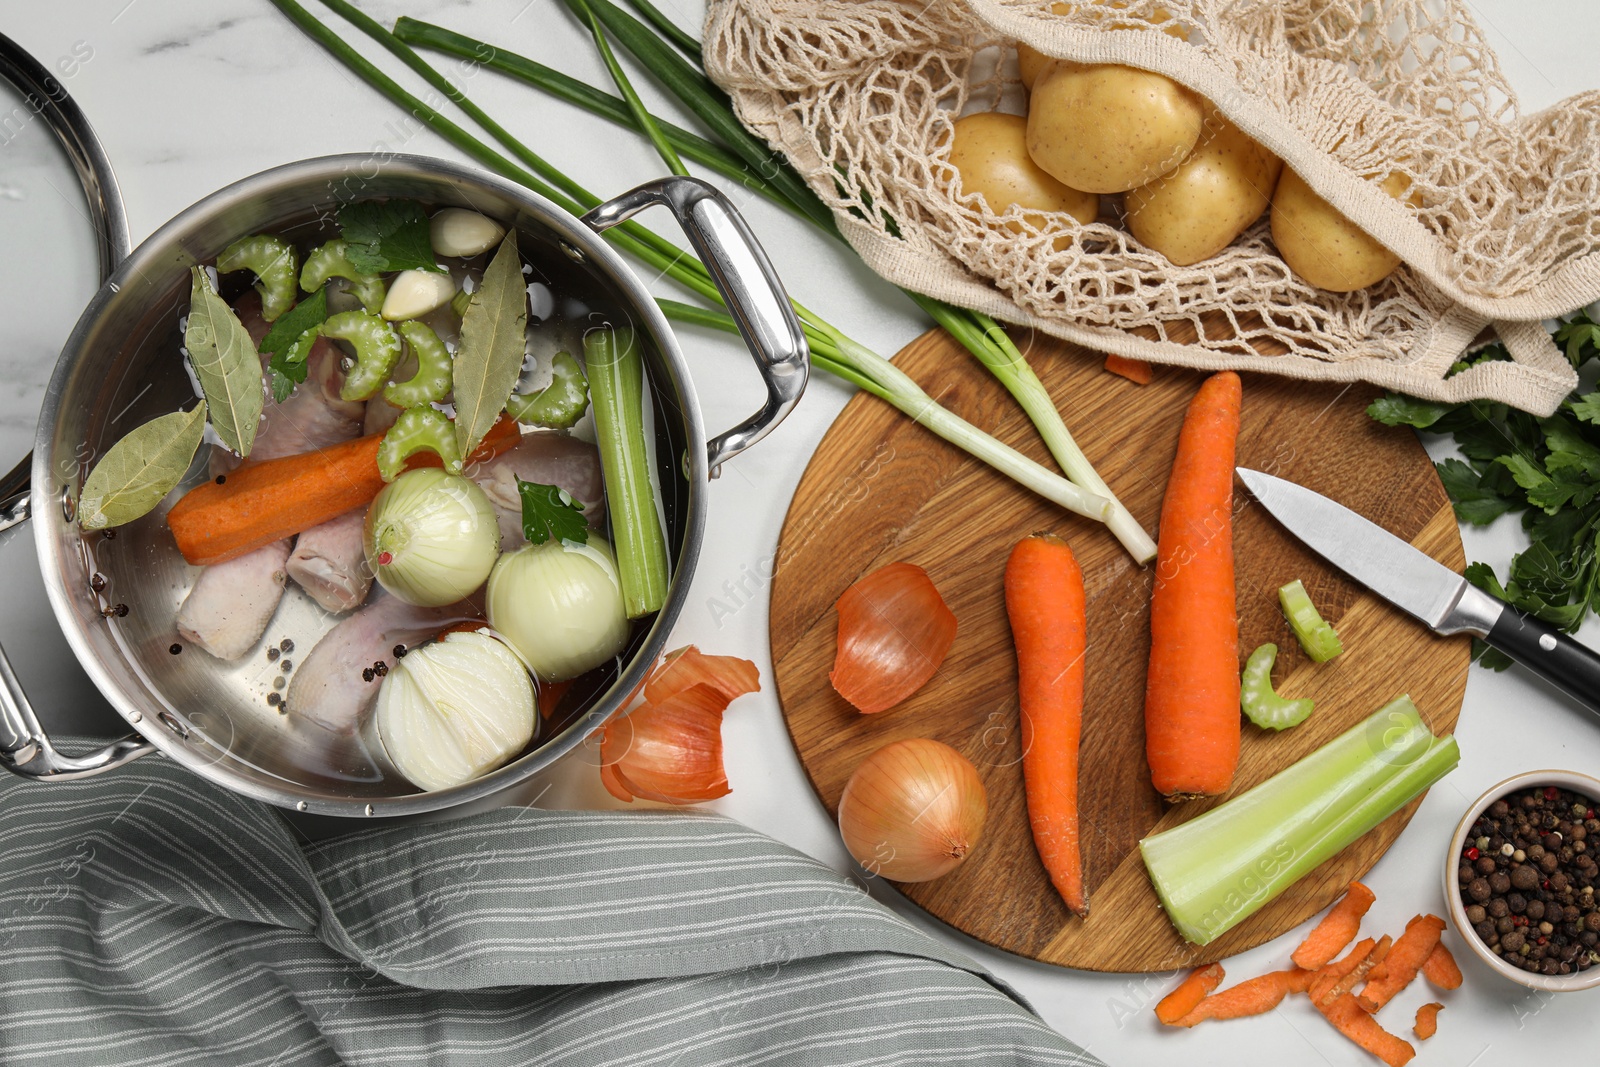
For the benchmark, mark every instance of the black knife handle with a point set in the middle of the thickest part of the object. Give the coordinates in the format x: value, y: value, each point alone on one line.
x: 1558, y: 659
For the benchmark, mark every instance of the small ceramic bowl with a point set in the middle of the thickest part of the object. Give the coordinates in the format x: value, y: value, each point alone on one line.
x: 1582, y: 784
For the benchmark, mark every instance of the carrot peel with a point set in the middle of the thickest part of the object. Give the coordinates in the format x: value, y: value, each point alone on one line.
x: 1190, y: 992
x: 1348, y: 1017
x: 1336, y: 930
x: 1135, y: 370
x: 1411, y: 950
x: 1440, y: 968
x: 1253, y: 996
x: 1427, y: 1023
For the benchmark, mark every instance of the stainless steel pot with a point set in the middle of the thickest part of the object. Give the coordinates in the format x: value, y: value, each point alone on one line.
x: 121, y: 366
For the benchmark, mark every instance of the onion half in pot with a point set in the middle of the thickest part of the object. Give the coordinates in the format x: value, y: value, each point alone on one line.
x: 455, y: 709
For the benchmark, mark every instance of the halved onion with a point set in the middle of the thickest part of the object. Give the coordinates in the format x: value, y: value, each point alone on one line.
x: 894, y: 631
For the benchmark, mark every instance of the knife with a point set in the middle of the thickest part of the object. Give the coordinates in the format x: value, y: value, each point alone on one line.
x: 1419, y: 585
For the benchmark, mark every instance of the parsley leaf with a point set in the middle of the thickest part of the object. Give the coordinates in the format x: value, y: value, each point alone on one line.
x: 289, y: 343
x: 1547, y: 470
x: 292, y: 324
x: 549, y: 511
x: 386, y: 235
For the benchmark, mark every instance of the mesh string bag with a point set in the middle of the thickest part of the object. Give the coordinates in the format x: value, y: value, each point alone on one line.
x: 1499, y: 229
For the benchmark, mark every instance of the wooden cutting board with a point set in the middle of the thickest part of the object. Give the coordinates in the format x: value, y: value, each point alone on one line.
x: 881, y: 488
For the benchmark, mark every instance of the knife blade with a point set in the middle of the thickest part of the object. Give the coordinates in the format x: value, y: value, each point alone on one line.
x: 1424, y: 588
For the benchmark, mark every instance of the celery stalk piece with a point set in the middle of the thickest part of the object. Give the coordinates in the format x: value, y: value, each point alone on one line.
x: 1316, y: 635
x: 1218, y: 869
x: 616, y: 387
x: 1260, y: 702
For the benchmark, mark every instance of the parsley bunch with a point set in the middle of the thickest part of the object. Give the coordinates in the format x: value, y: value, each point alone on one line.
x: 1546, y: 469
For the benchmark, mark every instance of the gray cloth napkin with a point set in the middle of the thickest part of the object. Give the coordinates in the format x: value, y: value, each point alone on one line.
x: 151, y: 918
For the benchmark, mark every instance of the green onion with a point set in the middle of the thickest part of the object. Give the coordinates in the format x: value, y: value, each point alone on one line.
x: 1218, y: 869
x: 668, y: 29
x: 625, y: 87
x: 1317, y: 636
x: 615, y: 364
x: 832, y: 351
x: 708, y: 103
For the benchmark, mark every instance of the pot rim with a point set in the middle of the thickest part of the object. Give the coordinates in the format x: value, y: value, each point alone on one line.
x: 50, y: 493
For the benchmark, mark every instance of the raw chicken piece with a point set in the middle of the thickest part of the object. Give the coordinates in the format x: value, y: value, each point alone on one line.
x: 380, y: 415
x: 231, y: 603
x: 311, y: 417
x: 550, y: 459
x: 328, y: 687
x: 328, y: 562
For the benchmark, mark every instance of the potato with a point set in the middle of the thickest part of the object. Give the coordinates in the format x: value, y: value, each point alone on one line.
x: 1030, y: 61
x: 1323, y: 247
x: 990, y: 151
x: 1105, y: 128
x: 1212, y: 197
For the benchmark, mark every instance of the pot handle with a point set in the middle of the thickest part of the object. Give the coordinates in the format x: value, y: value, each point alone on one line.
x: 743, y: 274
x: 25, y: 749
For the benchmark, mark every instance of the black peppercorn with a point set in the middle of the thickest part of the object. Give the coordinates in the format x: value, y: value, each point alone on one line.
x: 175, y: 648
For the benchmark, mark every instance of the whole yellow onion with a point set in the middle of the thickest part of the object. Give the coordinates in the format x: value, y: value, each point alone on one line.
x: 913, y: 810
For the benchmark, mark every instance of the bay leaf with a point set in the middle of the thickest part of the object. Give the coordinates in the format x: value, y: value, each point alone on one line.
x: 140, y: 469
x: 493, y: 343
x: 227, y: 364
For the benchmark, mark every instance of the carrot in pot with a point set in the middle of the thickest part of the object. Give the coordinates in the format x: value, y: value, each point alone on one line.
x: 1253, y: 996
x: 1135, y: 370
x: 1427, y: 1023
x: 1350, y: 1020
x: 1336, y: 930
x: 1440, y: 968
x: 1046, y: 606
x: 1411, y: 950
x: 1190, y: 992
x: 1191, y: 705
x: 260, y: 503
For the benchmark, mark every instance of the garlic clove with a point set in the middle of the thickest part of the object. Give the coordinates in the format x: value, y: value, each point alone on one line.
x: 456, y: 231
x: 414, y: 293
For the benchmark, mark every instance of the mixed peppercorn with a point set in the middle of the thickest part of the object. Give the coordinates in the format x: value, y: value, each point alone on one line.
x: 1529, y: 878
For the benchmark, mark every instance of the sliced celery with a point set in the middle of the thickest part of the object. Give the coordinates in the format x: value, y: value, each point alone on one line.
x: 1217, y: 870
x: 1317, y: 637
x: 1259, y: 702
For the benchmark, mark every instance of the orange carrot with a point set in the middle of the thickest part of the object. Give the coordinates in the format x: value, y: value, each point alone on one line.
x: 1135, y: 370
x: 1336, y: 930
x: 1193, y: 989
x: 1045, y: 602
x: 1350, y: 1020
x: 1253, y: 996
x: 260, y: 503
x: 550, y: 694
x: 1191, y: 703
x: 1427, y: 1021
x: 1359, y: 973
x: 1440, y: 968
x: 1411, y: 949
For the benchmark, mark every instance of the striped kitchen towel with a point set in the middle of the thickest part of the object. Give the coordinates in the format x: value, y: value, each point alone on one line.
x: 153, y: 919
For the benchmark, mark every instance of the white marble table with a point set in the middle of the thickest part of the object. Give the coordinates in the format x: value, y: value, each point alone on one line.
x: 189, y: 97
